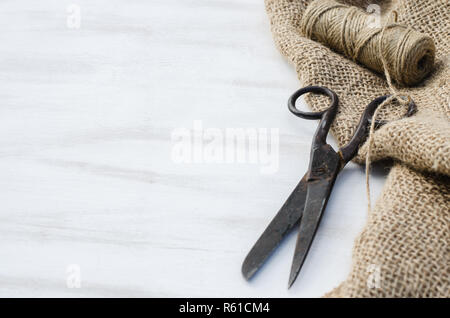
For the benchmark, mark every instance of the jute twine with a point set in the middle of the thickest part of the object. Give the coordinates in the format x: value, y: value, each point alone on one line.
x: 404, y: 100
x: 408, y: 55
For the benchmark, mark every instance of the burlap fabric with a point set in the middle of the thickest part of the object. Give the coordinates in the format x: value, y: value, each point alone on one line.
x: 406, y: 238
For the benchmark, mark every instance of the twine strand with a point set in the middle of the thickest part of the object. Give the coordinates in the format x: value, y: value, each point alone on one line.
x: 394, y: 96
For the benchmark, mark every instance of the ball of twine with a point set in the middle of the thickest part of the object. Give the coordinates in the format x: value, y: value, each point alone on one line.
x: 407, y: 55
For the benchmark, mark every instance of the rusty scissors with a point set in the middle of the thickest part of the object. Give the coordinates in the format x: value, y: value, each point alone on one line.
x: 307, y: 202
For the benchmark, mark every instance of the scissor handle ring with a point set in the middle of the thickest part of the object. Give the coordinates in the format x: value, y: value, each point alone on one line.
x: 326, y: 116
x: 312, y: 89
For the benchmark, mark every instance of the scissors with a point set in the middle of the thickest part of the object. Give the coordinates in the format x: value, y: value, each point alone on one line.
x: 309, y: 199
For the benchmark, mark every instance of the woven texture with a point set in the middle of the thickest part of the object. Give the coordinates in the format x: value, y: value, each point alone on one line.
x: 407, y: 235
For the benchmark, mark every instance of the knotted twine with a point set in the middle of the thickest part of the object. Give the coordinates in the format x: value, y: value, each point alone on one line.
x: 393, y: 49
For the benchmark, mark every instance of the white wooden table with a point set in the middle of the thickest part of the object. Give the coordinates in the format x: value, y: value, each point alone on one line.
x: 92, y: 201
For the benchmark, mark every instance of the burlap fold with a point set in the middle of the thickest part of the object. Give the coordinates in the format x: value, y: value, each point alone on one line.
x: 406, y: 238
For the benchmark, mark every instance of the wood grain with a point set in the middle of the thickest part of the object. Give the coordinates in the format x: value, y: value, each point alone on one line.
x: 86, y: 173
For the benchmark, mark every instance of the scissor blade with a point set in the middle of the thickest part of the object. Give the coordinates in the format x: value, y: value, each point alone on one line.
x: 285, y: 220
x: 316, y: 201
